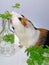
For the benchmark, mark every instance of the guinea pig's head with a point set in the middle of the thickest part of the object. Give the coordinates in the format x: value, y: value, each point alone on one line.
x: 18, y: 22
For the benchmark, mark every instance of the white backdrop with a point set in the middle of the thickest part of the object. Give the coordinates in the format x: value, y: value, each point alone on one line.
x: 35, y: 10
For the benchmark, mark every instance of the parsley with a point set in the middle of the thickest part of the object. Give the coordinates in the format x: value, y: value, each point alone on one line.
x: 36, y: 54
x: 9, y: 38
x: 17, y: 5
x: 6, y: 15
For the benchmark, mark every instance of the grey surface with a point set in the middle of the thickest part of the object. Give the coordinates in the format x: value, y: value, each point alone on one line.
x: 35, y: 10
x: 18, y: 59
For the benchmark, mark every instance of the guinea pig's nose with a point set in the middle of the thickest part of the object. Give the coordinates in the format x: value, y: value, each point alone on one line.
x: 12, y: 27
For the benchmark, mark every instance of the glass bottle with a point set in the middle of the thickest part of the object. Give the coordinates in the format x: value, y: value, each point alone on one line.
x: 7, y: 48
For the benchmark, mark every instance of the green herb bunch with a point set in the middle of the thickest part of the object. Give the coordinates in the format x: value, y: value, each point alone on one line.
x: 36, y: 54
x: 9, y: 38
x: 6, y: 15
x: 17, y: 5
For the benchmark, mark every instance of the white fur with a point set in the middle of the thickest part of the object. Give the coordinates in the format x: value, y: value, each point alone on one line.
x: 28, y: 36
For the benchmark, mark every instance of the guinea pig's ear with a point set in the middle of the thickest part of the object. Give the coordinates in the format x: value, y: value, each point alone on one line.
x: 22, y: 15
x: 26, y: 22
x: 32, y: 24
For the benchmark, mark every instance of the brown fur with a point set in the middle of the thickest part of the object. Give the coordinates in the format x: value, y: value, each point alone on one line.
x: 24, y: 21
x: 43, y: 32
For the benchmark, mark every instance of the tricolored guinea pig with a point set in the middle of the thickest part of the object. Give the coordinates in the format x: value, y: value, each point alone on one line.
x: 27, y: 33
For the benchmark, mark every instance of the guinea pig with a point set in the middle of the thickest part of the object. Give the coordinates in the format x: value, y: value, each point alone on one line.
x: 27, y: 33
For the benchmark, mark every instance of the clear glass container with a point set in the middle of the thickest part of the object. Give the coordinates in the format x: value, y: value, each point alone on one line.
x: 7, y: 48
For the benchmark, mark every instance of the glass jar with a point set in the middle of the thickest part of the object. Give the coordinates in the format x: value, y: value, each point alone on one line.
x: 8, y: 40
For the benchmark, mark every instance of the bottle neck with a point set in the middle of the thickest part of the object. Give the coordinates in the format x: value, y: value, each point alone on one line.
x: 5, y: 27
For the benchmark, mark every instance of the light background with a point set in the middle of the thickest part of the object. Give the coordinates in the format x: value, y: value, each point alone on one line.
x: 35, y: 10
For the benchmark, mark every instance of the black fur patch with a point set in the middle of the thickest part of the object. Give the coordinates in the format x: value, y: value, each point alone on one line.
x: 32, y: 25
x: 47, y: 40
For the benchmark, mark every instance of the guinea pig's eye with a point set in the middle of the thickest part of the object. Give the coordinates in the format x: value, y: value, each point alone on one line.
x: 19, y: 18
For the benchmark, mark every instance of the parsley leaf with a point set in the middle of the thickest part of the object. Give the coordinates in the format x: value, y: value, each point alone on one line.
x: 9, y: 38
x: 36, y: 54
x: 17, y: 5
x: 6, y: 15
